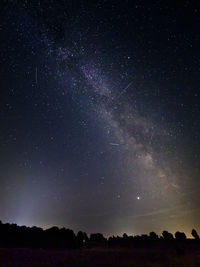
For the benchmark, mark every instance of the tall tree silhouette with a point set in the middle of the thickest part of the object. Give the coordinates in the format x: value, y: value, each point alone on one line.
x: 195, y: 234
x: 82, y: 238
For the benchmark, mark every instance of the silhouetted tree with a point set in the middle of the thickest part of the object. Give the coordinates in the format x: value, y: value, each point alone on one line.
x: 86, y: 238
x: 12, y: 235
x: 180, y: 235
x: 167, y: 236
x: 153, y: 236
x: 97, y: 239
x: 125, y: 240
x: 125, y: 237
x: 69, y: 237
x: 195, y: 234
x: 80, y: 238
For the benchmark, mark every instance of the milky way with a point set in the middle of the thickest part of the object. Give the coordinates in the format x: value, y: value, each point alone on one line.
x: 100, y: 116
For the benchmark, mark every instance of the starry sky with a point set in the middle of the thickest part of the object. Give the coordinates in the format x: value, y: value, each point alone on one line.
x: 100, y: 115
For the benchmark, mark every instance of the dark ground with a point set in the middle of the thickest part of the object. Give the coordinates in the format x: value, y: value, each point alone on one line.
x: 157, y: 256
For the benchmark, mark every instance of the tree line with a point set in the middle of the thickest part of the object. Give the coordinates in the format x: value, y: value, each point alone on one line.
x: 12, y: 235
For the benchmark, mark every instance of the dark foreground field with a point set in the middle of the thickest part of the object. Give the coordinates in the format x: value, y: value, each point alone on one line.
x: 100, y: 257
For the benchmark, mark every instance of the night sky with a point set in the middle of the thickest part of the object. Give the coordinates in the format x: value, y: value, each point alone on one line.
x: 100, y: 115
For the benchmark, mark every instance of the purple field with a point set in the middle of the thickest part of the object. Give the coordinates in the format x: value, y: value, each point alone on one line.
x: 99, y: 257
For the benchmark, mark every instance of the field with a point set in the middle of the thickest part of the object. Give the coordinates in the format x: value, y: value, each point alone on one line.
x: 100, y: 257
